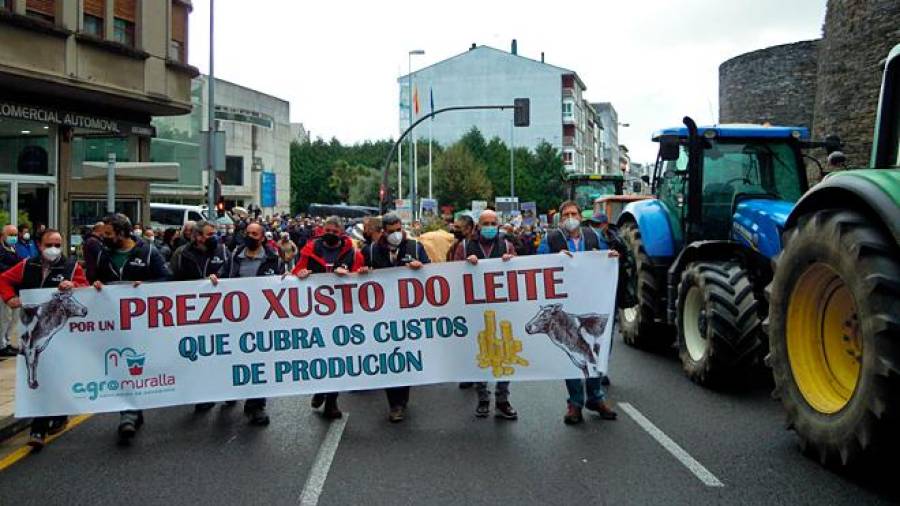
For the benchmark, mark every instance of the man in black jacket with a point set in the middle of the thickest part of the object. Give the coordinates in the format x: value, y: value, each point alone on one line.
x: 91, y: 249
x: 253, y: 259
x: 203, y: 257
x: 126, y: 259
x: 489, y: 243
x: 395, y: 249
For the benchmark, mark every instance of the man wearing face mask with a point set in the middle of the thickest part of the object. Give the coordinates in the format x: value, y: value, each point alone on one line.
x: 462, y: 230
x: 47, y: 270
x: 489, y: 243
x: 8, y: 259
x: 332, y: 252
x: 395, y: 249
x: 250, y: 260
x: 127, y: 260
x: 568, y: 239
x: 203, y: 258
x: 25, y: 246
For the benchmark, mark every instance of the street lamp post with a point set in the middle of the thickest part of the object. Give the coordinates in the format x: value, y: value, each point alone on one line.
x: 210, y: 138
x: 412, y: 155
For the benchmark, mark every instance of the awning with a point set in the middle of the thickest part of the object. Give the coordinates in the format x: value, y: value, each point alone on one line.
x: 138, y: 171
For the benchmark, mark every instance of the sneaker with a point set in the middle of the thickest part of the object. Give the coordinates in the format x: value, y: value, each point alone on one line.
x: 203, y: 407
x: 332, y: 412
x: 602, y: 409
x: 483, y: 409
x: 317, y: 401
x: 9, y: 351
x: 37, y: 440
x: 466, y: 384
x: 573, y: 415
x: 397, y: 414
x: 129, y: 423
x: 57, y: 425
x: 257, y: 416
x: 506, y: 411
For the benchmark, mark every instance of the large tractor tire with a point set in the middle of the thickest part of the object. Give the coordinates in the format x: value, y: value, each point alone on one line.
x: 640, y: 324
x: 834, y: 330
x: 719, y: 331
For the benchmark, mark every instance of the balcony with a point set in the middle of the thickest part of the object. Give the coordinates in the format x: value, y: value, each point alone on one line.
x: 568, y: 92
x: 569, y: 140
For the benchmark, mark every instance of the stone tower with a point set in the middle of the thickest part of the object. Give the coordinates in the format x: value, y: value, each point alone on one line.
x: 857, y: 37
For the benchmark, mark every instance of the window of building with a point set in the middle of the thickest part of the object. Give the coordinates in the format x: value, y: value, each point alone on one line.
x: 5, y: 5
x: 123, y: 23
x: 41, y: 9
x: 234, y: 171
x: 567, y: 110
x: 92, y: 17
x: 567, y: 157
x: 178, y: 43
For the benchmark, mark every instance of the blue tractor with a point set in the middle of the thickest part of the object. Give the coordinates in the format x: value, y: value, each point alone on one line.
x: 701, y: 251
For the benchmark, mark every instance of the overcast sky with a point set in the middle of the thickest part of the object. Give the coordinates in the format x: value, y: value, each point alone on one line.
x: 337, y: 61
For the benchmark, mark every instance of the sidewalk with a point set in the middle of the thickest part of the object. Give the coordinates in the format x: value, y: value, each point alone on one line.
x: 8, y: 423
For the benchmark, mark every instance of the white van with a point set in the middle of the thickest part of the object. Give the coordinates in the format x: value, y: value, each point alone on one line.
x: 163, y: 216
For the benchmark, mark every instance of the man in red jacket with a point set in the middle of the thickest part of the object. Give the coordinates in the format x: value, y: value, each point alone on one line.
x: 47, y: 270
x: 333, y: 251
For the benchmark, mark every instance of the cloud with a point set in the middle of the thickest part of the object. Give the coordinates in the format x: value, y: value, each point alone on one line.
x: 337, y: 62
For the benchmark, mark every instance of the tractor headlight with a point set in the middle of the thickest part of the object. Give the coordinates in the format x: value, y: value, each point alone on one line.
x: 709, y: 134
x: 795, y: 134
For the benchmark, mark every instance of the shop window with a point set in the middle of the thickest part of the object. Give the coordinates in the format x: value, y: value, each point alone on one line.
x: 92, y: 18
x: 41, y: 9
x: 123, y: 22
x: 178, y: 43
x: 5, y: 5
x: 234, y: 171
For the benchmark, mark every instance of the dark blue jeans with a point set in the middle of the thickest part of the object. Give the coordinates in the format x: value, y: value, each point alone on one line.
x: 577, y: 388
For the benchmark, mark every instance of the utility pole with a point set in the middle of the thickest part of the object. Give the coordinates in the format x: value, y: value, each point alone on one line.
x: 210, y: 138
x: 512, y: 163
x: 111, y: 183
x: 412, y: 154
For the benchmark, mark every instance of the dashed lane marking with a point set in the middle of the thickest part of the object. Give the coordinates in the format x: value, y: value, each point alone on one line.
x: 703, y: 474
x: 26, y: 450
x: 315, y: 482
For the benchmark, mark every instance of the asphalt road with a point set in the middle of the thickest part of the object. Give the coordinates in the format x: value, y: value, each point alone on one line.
x: 733, y: 450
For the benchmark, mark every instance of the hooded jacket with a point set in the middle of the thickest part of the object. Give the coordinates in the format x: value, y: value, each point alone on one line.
x: 312, y: 257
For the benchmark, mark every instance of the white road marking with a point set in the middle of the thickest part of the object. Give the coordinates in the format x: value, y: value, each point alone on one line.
x: 319, y: 472
x: 702, y: 473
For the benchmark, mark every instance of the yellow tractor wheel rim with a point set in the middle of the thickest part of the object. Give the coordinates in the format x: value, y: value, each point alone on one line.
x: 824, y: 340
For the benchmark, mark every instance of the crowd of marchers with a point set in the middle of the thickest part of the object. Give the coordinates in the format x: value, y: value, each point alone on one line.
x: 115, y: 251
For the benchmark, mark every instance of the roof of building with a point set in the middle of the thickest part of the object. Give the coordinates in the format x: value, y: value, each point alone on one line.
x: 739, y: 131
x: 483, y: 48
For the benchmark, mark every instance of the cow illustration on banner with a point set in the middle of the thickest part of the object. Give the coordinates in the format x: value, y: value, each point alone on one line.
x: 42, y: 322
x: 580, y: 336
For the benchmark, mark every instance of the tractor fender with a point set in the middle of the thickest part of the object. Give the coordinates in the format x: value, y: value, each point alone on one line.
x: 693, y: 252
x: 653, y: 222
x: 758, y: 224
x: 873, y: 192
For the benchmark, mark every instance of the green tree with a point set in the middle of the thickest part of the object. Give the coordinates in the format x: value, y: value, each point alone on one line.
x: 540, y: 179
x: 474, y: 142
x: 343, y: 177
x: 310, y: 170
x: 460, y: 177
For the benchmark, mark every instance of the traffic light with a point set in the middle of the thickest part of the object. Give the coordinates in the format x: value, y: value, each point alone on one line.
x: 521, y: 112
x: 220, y: 206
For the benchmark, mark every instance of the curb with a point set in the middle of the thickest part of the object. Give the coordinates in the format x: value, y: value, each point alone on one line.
x: 10, y: 426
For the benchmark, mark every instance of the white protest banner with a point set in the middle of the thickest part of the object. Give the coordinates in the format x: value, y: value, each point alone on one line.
x: 163, y: 344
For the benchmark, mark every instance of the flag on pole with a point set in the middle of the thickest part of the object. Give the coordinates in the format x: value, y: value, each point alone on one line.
x: 416, y: 99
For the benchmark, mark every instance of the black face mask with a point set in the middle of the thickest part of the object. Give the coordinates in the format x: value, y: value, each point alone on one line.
x: 331, y: 240
x: 459, y: 235
x: 111, y: 242
x: 251, y: 242
x: 211, y: 243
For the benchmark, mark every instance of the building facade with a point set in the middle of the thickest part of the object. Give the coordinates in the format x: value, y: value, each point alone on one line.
x: 560, y: 114
x: 608, y: 120
x: 258, y: 137
x: 80, y: 80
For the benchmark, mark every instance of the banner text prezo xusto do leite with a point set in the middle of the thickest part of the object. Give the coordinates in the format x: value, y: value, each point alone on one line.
x: 532, y: 318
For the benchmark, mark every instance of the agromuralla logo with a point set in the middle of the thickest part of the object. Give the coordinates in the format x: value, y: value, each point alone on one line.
x: 123, y: 371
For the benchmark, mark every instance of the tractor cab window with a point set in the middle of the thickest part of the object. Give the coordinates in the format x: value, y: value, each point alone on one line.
x: 673, y: 188
x: 731, y: 170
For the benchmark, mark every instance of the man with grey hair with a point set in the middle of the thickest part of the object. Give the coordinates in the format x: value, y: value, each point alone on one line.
x: 186, y: 230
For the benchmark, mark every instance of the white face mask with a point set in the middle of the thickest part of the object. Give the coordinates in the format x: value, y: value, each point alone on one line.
x: 51, y: 254
x: 570, y: 224
x: 26, y: 236
x: 394, y: 238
